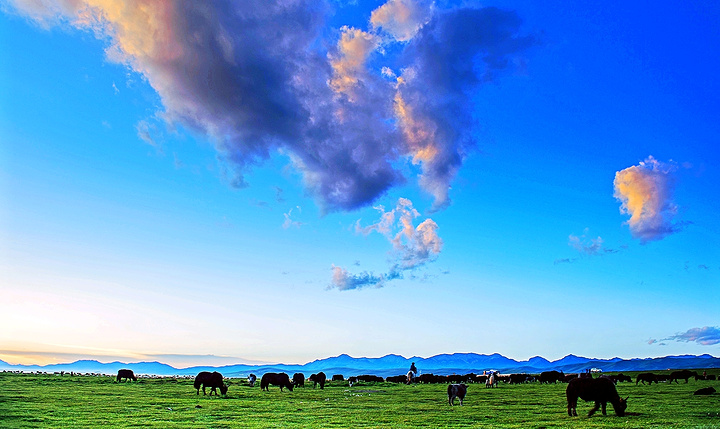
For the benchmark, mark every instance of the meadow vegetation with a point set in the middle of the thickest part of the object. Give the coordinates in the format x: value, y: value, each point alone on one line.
x: 55, y: 401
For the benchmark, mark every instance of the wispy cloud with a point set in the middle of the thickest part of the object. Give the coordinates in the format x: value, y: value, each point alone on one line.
x: 289, y: 222
x: 645, y: 192
x: 255, y: 78
x: 584, y: 244
x: 706, y: 336
x: 412, y: 246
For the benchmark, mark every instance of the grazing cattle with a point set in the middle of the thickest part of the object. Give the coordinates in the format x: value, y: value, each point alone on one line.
x: 456, y: 391
x: 646, y: 376
x: 210, y: 379
x: 395, y: 379
x: 518, y: 378
x: 276, y: 379
x: 705, y: 391
x: 370, y: 378
x: 318, y: 378
x: 252, y: 378
x: 569, y: 377
x: 622, y: 377
x: 684, y: 374
x: 599, y: 390
x: 338, y: 377
x: 126, y: 374
x: 492, y: 380
x: 299, y: 379
x: 353, y: 380
x: 551, y: 377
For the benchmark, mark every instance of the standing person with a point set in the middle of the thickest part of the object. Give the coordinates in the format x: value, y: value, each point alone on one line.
x: 413, y: 369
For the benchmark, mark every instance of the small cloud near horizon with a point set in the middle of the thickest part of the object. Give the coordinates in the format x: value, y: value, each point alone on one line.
x: 706, y: 336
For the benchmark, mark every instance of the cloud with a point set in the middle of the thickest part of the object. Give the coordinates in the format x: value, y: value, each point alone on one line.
x: 262, y: 76
x: 412, y: 246
x: 401, y: 19
x: 585, y: 245
x: 343, y: 280
x: 706, y: 336
x: 645, y: 192
x: 289, y: 222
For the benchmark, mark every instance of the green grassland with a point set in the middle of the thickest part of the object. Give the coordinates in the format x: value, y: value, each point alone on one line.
x: 54, y: 401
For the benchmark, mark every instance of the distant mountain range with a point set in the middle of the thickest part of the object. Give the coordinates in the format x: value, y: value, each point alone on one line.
x: 444, y: 364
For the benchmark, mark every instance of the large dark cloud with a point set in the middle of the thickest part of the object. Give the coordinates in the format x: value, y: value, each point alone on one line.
x: 259, y: 76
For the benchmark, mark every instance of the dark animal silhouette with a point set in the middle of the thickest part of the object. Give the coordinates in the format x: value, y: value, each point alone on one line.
x: 646, y: 376
x: 252, y: 378
x: 456, y: 391
x: 396, y: 379
x: 683, y: 374
x: 299, y: 379
x: 338, y: 377
x: 600, y: 390
x: 705, y: 391
x: 518, y: 378
x: 276, y: 379
x: 551, y: 377
x: 622, y: 377
x: 318, y: 378
x: 213, y: 380
x: 370, y: 378
x: 126, y: 374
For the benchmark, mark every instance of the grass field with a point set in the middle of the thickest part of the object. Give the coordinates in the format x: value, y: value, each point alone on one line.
x: 54, y: 401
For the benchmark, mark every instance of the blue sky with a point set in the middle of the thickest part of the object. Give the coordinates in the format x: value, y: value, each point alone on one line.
x: 223, y: 183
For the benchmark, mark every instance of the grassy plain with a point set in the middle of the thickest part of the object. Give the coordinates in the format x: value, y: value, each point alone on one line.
x: 54, y: 401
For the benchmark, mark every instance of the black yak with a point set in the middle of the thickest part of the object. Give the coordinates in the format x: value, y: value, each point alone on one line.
x: 338, y: 377
x: 705, y: 391
x: 683, y: 374
x: 646, y: 376
x: 299, y: 379
x: 600, y: 390
x: 456, y: 391
x: 318, y: 378
x: 213, y: 380
x: 551, y: 377
x: 276, y: 379
x: 126, y: 374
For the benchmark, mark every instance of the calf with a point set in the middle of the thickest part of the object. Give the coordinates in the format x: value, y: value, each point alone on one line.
x: 251, y: 380
x: 210, y: 379
x: 600, y: 390
x: 456, y: 391
x: 276, y: 379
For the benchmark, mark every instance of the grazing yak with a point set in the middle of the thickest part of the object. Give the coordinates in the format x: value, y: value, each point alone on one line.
x: 252, y: 378
x: 684, y: 374
x: 338, y: 377
x: 126, y: 374
x: 299, y: 379
x: 213, y: 380
x: 456, y: 391
x: 705, y: 391
x: 600, y: 390
x: 551, y: 377
x: 646, y: 376
x: 276, y: 379
x: 318, y: 378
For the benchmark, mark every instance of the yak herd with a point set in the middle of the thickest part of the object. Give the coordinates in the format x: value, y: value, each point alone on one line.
x: 583, y: 386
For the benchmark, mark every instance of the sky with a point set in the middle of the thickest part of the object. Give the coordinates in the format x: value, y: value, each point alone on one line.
x: 282, y: 181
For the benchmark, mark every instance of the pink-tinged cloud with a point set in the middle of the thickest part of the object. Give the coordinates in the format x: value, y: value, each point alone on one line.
x: 645, y: 192
x: 412, y: 246
x: 401, y: 19
x: 259, y: 77
x: 706, y: 336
